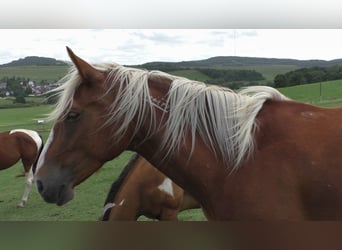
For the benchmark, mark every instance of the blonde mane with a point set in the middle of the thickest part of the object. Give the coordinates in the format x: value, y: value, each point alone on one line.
x: 224, y: 119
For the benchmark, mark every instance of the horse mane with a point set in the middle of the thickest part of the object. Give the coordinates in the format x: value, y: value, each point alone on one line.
x: 225, y: 120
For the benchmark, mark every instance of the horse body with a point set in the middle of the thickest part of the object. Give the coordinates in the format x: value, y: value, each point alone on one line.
x: 20, y: 144
x: 241, y: 156
x: 297, y: 153
x: 142, y: 190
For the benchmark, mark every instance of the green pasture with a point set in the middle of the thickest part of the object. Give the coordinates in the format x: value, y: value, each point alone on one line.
x: 326, y: 94
x: 268, y: 71
x: 9, y: 102
x: 191, y: 74
x: 35, y: 73
x: 54, y: 73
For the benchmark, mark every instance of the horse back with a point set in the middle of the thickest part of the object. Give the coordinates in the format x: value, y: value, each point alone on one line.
x: 9, y: 150
x: 295, y: 168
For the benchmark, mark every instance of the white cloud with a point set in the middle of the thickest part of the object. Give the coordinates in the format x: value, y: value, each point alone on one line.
x: 170, y: 14
x: 136, y: 46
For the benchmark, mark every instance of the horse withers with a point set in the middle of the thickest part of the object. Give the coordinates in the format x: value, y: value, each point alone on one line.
x: 143, y: 190
x: 21, y: 144
x: 247, y: 155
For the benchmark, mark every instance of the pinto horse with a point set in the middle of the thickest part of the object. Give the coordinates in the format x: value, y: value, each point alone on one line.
x: 247, y: 155
x: 20, y: 144
x: 142, y: 190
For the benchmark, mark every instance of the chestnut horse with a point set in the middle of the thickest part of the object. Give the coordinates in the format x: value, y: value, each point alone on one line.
x: 20, y: 144
x: 142, y: 190
x: 247, y: 155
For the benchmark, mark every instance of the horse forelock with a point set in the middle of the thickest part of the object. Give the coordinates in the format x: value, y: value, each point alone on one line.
x: 225, y: 119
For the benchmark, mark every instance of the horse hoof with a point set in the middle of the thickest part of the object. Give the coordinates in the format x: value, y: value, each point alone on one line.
x: 20, y: 205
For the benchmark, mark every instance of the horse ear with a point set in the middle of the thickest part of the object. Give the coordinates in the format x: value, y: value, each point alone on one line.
x: 86, y: 71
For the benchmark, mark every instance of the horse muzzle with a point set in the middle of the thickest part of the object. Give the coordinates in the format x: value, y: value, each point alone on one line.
x: 56, y: 190
x: 58, y: 195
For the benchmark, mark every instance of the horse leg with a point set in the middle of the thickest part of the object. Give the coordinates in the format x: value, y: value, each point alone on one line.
x: 169, y: 214
x: 29, y: 181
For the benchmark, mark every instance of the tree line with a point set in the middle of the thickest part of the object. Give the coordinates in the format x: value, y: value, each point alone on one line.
x: 225, y: 77
x: 231, y: 78
x: 308, y: 75
x: 17, y: 87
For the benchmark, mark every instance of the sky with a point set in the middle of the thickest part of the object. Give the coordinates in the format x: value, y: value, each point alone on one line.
x: 134, y: 31
x: 137, y: 46
x: 171, y: 14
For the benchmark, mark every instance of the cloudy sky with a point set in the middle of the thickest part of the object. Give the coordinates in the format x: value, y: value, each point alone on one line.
x: 135, y: 32
x: 136, y: 46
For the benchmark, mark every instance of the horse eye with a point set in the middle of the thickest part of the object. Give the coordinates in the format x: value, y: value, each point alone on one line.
x: 72, y: 116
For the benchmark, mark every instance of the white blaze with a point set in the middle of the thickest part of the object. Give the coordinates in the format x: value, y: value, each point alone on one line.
x: 46, y: 147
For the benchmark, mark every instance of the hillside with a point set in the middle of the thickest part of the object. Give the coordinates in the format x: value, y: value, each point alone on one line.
x: 325, y: 94
x: 49, y: 69
x: 213, y: 62
x: 268, y: 67
x: 34, y: 61
x: 49, y: 73
x: 235, y: 61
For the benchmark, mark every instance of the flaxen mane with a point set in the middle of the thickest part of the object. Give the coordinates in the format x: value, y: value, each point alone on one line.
x: 223, y: 118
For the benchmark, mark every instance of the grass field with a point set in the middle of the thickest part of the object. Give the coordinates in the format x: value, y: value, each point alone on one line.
x: 191, y: 74
x: 54, y: 73
x: 35, y: 73
x: 268, y: 71
x: 310, y: 93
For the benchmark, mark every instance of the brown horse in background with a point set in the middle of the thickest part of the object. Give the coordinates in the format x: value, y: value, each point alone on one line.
x: 20, y: 144
x: 252, y: 154
x: 142, y: 190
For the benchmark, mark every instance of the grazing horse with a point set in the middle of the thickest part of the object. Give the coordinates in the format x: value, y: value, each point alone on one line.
x: 20, y: 144
x: 247, y: 155
x: 143, y: 190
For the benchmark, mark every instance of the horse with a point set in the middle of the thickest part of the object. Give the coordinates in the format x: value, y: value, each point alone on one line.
x: 21, y: 144
x: 143, y: 190
x: 249, y: 154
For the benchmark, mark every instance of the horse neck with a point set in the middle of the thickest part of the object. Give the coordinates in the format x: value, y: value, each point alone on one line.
x: 128, y: 205
x: 158, y: 88
x: 182, y: 168
x: 189, y: 202
x: 184, y: 171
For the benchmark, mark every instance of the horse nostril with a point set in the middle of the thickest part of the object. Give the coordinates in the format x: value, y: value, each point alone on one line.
x: 61, y: 190
x: 40, y: 186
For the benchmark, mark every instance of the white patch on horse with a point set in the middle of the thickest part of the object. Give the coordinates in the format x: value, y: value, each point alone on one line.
x: 41, y: 158
x: 110, y: 205
x: 33, y: 134
x: 166, y: 186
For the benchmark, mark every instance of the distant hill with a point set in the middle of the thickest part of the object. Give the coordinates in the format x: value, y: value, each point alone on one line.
x: 213, y: 62
x: 34, y: 60
x: 231, y: 61
x: 229, y: 71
